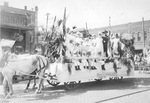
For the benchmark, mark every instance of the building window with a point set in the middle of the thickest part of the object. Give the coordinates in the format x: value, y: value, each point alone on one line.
x: 139, y: 36
x: 145, y: 35
x: 134, y: 35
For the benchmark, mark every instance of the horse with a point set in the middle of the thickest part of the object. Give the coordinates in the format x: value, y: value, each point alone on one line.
x: 33, y: 74
x: 23, y: 65
x: 31, y: 77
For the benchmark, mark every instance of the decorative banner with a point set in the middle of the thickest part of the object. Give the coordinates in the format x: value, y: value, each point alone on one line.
x: 83, y: 47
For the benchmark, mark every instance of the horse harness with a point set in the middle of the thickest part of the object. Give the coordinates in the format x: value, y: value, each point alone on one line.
x: 40, y: 65
x: 35, y: 71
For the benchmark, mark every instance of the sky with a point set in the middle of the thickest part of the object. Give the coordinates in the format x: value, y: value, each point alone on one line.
x: 95, y: 13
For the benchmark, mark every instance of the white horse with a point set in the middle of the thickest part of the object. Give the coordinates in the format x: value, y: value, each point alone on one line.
x: 23, y: 65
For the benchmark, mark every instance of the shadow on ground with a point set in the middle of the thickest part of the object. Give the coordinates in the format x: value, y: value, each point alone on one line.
x: 50, y: 92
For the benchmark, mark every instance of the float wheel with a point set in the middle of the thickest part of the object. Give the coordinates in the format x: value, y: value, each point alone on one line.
x: 72, y: 85
x: 53, y: 83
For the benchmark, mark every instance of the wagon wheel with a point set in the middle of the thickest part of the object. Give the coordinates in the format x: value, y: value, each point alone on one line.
x: 111, y: 78
x: 72, y: 85
x: 98, y: 80
x: 53, y: 82
x: 118, y: 78
x: 121, y: 78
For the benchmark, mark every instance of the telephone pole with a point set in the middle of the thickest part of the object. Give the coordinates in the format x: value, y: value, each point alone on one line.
x: 143, y: 30
x: 109, y: 22
x: 47, y: 18
x: 109, y: 25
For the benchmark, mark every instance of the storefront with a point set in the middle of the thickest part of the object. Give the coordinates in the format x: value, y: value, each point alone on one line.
x: 19, y: 25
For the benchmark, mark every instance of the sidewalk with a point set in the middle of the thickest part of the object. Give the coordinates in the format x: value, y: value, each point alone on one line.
x: 138, y: 74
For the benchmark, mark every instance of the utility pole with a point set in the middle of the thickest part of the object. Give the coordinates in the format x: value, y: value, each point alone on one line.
x: 109, y: 22
x: 47, y: 18
x: 143, y: 30
x: 86, y: 28
x: 129, y: 28
x: 109, y: 25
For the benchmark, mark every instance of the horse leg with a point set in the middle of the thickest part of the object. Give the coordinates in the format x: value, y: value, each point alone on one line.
x: 39, y: 86
x: 34, y: 80
x: 34, y: 85
x: 10, y: 88
x: 5, y: 87
x: 42, y: 85
x: 27, y: 88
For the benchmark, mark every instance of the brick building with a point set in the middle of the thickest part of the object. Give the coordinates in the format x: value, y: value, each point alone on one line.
x: 21, y: 24
x: 136, y: 28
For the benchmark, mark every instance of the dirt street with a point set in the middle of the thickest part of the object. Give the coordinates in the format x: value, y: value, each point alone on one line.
x: 128, y: 90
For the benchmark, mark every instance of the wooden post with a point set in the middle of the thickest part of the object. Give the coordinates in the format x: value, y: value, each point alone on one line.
x: 47, y: 17
x: 143, y: 31
x: 145, y: 49
x: 129, y: 29
x: 109, y: 26
x: 86, y: 29
x: 36, y: 26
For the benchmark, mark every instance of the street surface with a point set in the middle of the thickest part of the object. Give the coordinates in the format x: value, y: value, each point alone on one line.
x: 129, y: 90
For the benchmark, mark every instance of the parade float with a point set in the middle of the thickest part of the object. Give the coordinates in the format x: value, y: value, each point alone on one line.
x: 75, y: 58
